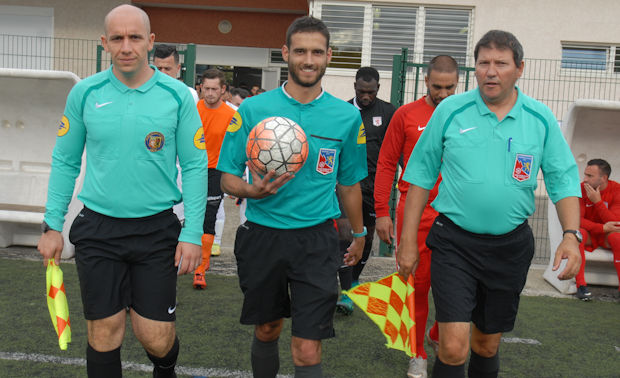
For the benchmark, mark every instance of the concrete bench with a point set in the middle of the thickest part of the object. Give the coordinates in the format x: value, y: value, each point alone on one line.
x: 31, y: 106
x: 591, y: 128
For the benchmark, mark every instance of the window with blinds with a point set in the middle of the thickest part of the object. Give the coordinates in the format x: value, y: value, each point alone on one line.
x: 445, y: 33
x: 584, y: 58
x: 345, y: 25
x: 392, y: 29
x: 371, y: 34
x: 275, y: 58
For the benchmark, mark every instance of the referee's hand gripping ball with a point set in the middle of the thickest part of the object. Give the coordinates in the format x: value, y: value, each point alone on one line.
x: 268, y: 185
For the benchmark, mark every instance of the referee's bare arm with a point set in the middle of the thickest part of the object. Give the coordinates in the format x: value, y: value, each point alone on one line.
x: 407, y: 254
x: 568, y: 213
x: 351, y: 199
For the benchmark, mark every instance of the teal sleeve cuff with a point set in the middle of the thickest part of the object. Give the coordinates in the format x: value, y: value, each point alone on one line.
x: 55, y: 224
x: 190, y: 236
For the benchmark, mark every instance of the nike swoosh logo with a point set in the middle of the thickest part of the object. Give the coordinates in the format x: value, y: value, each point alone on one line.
x: 420, y: 128
x: 589, y: 204
x: 463, y: 131
x: 98, y: 105
x: 171, y: 309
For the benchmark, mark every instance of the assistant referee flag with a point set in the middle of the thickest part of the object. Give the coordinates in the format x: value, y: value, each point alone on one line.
x: 389, y: 302
x: 57, y: 303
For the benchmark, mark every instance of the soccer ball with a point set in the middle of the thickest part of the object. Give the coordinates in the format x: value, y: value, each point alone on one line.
x: 279, y: 144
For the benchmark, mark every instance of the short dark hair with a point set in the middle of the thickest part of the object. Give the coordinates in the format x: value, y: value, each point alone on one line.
x: 239, y: 92
x: 163, y: 51
x: 501, y: 40
x: 602, y: 165
x: 443, y: 63
x: 261, y: 90
x: 307, y: 24
x: 214, y: 73
x: 367, y: 74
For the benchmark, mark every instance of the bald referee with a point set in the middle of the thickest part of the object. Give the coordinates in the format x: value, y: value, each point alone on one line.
x: 489, y: 144
x: 134, y: 121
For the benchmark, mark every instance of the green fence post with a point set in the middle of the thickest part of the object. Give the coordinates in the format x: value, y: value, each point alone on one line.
x: 99, y: 52
x: 397, y: 97
x: 190, y: 65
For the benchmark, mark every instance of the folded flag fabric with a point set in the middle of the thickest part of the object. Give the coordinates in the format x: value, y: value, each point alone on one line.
x: 57, y: 304
x: 389, y: 302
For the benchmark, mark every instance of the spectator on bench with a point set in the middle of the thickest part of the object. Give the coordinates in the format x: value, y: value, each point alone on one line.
x: 600, y: 218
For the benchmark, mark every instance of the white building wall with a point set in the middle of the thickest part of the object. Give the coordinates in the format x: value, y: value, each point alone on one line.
x: 73, y: 18
x: 540, y: 26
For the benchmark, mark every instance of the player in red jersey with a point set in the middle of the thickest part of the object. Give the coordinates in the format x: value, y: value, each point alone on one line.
x: 403, y: 132
x: 600, y: 218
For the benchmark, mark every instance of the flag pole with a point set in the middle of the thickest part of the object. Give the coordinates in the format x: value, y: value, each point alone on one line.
x: 411, y: 307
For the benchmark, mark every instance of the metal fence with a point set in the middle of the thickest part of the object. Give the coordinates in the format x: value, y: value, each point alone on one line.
x: 545, y: 80
x: 83, y: 57
x: 46, y: 53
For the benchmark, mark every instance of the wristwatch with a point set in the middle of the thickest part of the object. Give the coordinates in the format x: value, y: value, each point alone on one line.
x: 574, y: 232
x: 359, y: 235
x: 45, y: 227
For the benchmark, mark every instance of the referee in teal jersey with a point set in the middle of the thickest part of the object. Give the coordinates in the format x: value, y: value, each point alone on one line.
x: 134, y: 121
x: 287, y: 251
x: 489, y: 145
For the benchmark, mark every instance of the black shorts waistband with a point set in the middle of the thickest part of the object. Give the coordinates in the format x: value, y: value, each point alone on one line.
x: 165, y: 213
x: 443, y: 218
x: 317, y: 227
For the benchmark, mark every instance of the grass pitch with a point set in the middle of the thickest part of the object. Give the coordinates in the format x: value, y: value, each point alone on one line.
x: 575, y: 339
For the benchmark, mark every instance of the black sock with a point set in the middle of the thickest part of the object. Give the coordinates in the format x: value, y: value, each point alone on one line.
x: 357, y: 268
x: 312, y: 371
x: 103, y: 364
x: 344, y: 273
x: 265, y: 358
x: 441, y: 370
x: 163, y: 367
x: 482, y: 367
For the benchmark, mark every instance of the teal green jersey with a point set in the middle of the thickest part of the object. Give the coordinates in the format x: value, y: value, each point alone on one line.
x: 132, y: 139
x: 337, y: 154
x: 489, y: 168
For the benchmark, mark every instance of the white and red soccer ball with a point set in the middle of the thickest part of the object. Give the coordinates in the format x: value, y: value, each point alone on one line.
x: 279, y: 144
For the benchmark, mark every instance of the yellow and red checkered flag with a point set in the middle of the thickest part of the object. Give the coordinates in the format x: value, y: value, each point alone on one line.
x: 389, y: 303
x: 57, y: 303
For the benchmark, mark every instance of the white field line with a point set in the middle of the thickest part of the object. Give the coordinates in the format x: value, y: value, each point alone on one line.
x: 127, y: 365
x: 518, y: 340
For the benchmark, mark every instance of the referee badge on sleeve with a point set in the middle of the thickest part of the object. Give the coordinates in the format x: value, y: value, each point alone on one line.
x: 235, y: 123
x: 199, y: 139
x: 63, y: 128
x: 361, y: 134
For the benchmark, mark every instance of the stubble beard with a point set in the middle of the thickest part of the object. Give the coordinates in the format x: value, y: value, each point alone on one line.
x: 298, y: 80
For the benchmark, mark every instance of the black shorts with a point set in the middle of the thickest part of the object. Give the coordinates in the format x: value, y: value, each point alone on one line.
x: 305, y: 261
x: 125, y: 262
x: 214, y: 197
x: 478, y: 277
